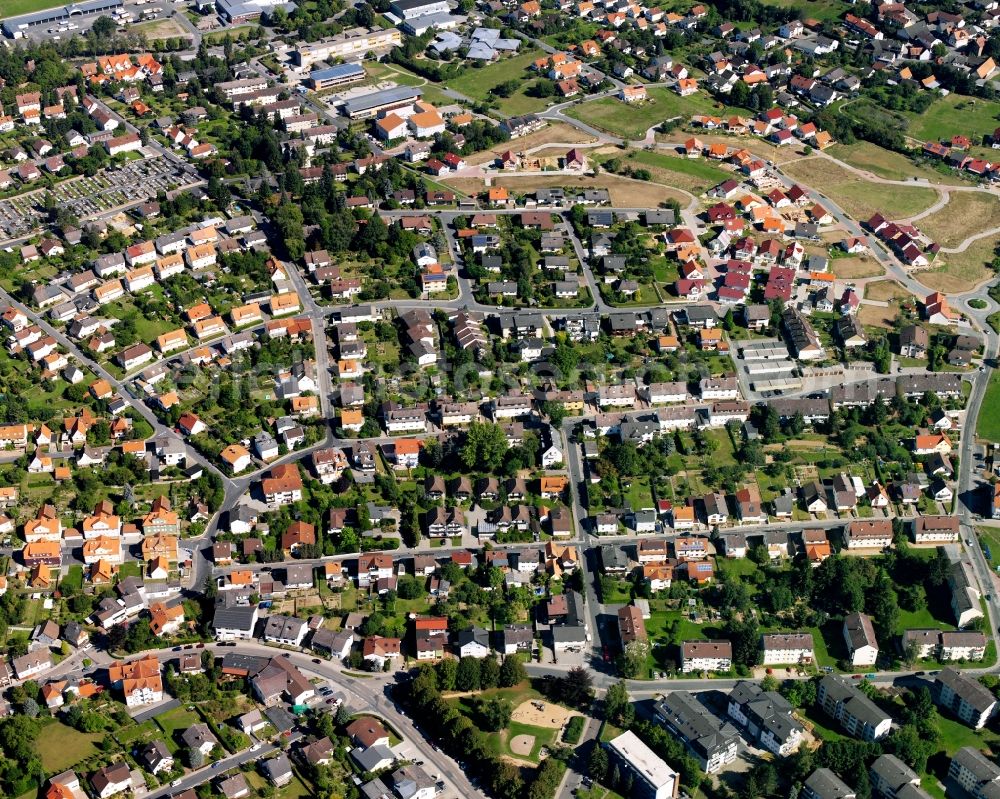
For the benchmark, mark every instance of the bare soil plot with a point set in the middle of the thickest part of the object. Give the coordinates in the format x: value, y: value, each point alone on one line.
x: 541, y: 714
x: 522, y: 744
x: 162, y: 29
x: 855, y: 267
x: 966, y: 214
x: 878, y: 315
x: 857, y: 197
x: 885, y: 291
x: 558, y: 133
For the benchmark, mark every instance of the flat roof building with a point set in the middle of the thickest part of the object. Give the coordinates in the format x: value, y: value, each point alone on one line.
x: 336, y: 76
x: 369, y: 105
x: 652, y: 778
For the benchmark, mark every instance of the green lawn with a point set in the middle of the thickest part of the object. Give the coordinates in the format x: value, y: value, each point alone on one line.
x: 177, y: 720
x: 638, y: 494
x: 954, y: 735
x: 736, y: 567
x: 633, y: 121
x: 921, y: 619
x: 955, y: 114
x: 130, y: 569
x: 61, y: 747
x: 477, y: 83
x: 988, y: 424
x: 823, y: 726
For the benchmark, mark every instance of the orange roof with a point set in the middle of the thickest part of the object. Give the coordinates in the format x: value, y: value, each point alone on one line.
x: 285, y: 302
x: 826, y: 277
x: 233, y: 453
x: 147, y: 666
x: 243, y: 577
x: 197, y: 312
x: 407, y: 446
x: 430, y: 623
x: 352, y: 416
x: 41, y: 549
x: 553, y: 483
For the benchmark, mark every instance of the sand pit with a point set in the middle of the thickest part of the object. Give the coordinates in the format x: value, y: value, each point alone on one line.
x: 522, y: 745
x: 541, y: 714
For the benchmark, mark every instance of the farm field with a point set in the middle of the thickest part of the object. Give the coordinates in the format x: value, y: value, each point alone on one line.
x: 888, y: 164
x: 860, y: 198
x: 966, y: 214
x: 632, y: 122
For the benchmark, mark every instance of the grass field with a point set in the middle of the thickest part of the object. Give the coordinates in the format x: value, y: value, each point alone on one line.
x: 15, y: 8
x: 955, y: 735
x: 962, y: 271
x: 177, y: 720
x: 954, y: 114
x: 692, y: 175
x: 378, y: 71
x: 816, y: 9
x: 61, y: 747
x: 887, y: 164
x: 478, y: 83
x: 632, y: 122
x: 988, y: 424
x: 860, y: 198
x: 966, y: 214
x: 220, y: 36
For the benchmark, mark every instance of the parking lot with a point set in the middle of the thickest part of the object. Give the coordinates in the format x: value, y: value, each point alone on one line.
x: 132, y: 182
